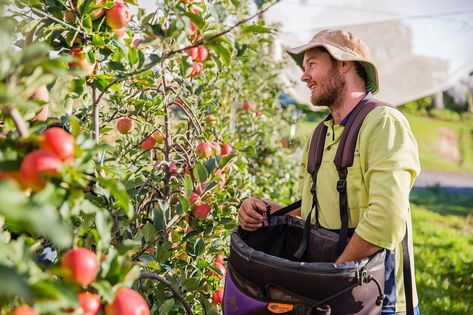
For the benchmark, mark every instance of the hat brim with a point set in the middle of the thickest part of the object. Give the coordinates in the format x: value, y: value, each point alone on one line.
x: 372, y: 84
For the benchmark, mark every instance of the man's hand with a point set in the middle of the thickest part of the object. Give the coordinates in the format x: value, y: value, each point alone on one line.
x: 250, y: 214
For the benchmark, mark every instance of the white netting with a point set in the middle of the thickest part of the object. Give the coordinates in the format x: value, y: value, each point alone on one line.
x: 420, y: 47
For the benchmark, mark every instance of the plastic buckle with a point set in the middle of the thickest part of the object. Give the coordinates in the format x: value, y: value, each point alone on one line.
x: 362, y: 277
x: 342, y: 185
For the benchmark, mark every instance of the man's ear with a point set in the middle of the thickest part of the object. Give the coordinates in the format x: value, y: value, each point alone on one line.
x: 345, y: 66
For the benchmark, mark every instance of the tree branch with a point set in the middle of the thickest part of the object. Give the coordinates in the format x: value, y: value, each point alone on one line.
x: 18, y: 120
x: 175, y: 292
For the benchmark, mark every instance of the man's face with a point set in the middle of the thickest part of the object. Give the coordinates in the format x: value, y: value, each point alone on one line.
x: 323, y: 79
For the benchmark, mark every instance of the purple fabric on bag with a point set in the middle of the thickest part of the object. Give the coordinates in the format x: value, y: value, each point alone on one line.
x: 237, y: 303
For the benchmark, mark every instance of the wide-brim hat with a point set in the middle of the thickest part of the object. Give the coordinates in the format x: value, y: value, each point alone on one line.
x: 343, y: 46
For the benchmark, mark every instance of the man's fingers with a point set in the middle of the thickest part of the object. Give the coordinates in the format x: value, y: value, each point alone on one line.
x: 247, y: 225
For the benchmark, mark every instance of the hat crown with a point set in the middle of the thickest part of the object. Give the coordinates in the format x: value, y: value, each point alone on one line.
x: 344, y: 40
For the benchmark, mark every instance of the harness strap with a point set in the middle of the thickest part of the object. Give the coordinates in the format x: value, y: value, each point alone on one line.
x: 344, y: 158
x: 406, y: 263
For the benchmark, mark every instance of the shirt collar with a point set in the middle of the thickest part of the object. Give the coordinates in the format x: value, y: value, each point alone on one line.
x: 344, y: 121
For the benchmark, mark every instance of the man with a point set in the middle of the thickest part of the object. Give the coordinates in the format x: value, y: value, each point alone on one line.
x: 337, y: 70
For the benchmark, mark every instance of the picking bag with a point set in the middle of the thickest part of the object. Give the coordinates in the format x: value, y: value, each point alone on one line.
x: 263, y: 277
x: 287, y: 266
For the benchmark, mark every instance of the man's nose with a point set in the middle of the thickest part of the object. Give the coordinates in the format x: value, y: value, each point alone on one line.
x: 305, y: 76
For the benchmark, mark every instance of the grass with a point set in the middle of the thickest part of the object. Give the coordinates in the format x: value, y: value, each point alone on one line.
x: 443, y: 246
x: 426, y: 131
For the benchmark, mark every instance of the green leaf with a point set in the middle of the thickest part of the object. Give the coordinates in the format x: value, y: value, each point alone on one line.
x: 166, y: 307
x: 104, y: 223
x: 158, y: 220
x: 149, y: 232
x: 102, y: 81
x: 191, y: 284
x: 29, y: 216
x: 199, y: 247
x: 133, y: 55
x: 13, y: 284
x: 200, y: 173
x: 118, y: 66
x: 119, y: 192
x: 221, y: 51
x: 158, y: 30
x: 187, y: 186
x: 183, y: 205
x: 256, y: 28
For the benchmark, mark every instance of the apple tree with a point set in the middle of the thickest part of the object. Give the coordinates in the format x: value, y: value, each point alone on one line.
x: 129, y: 137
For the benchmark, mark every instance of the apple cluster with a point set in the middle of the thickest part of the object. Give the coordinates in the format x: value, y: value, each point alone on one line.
x: 56, y: 147
x: 205, y: 149
x: 117, y: 18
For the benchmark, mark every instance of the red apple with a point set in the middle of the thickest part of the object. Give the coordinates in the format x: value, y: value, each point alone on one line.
x: 197, y: 67
x: 125, y: 125
x: 172, y: 168
x: 37, y: 164
x: 221, y: 267
x: 58, y: 141
x: 192, y: 52
x: 219, y: 259
x: 220, y: 174
x: 199, y: 189
x: 80, y: 265
x: 118, y: 16
x: 217, y: 297
x: 258, y: 114
x: 98, y: 12
x: 226, y: 149
x: 193, y: 27
x: 127, y: 302
x: 148, y: 143
x: 69, y: 16
x: 201, y: 210
x: 247, y: 106
x: 119, y: 31
x: 202, y: 53
x: 187, y: 171
x: 89, y: 302
x: 41, y: 114
x: 193, y: 198
x: 204, y: 150
x: 81, y: 61
x: 41, y: 94
x: 211, y: 120
x: 216, y: 148
x: 24, y: 310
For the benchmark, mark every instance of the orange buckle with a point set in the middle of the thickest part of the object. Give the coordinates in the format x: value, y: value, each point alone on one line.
x: 279, y: 308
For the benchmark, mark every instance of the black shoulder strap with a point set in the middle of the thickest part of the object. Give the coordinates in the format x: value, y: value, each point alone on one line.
x: 406, y: 270
x: 344, y: 159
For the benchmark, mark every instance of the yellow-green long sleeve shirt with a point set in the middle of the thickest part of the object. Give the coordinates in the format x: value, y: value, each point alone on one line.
x: 385, y: 166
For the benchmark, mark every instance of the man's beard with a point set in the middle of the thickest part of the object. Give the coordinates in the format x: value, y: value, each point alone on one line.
x: 330, y: 90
